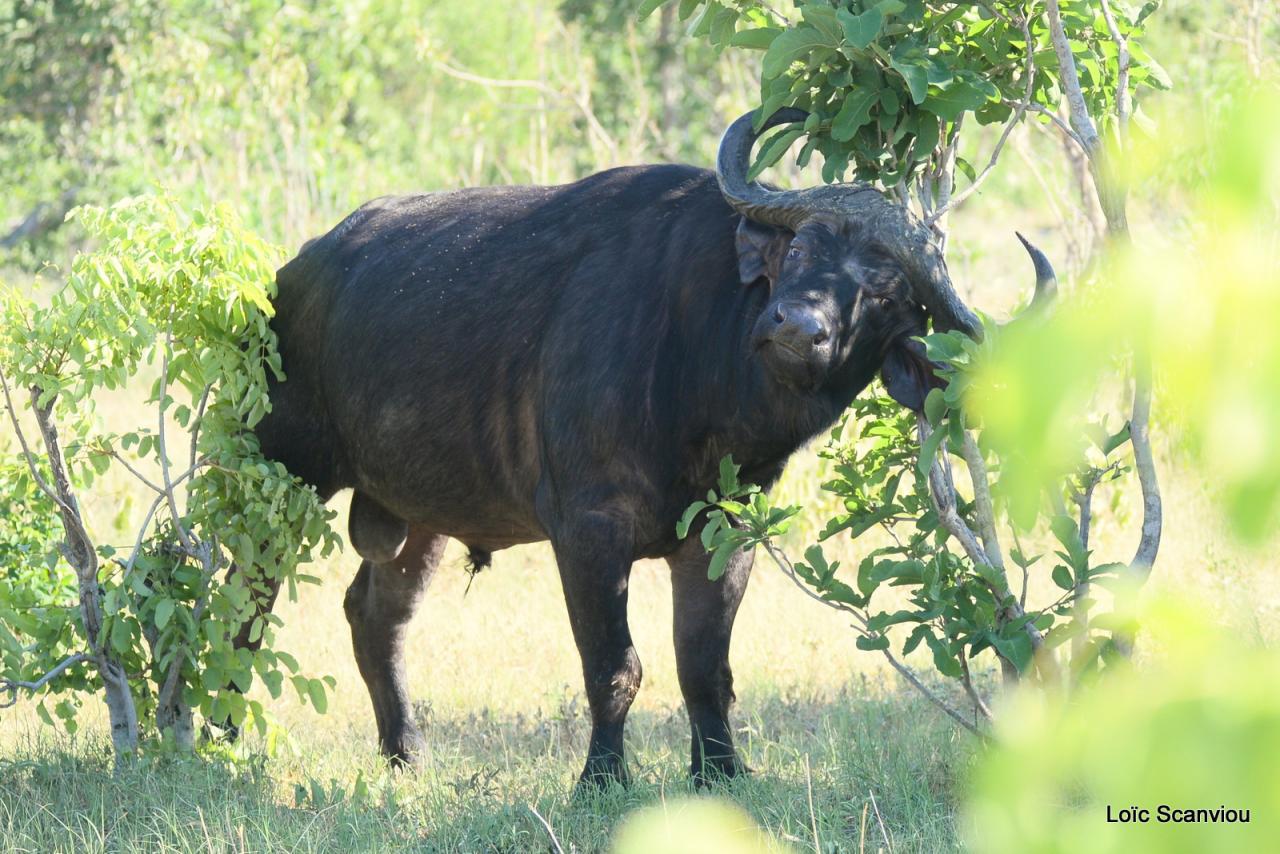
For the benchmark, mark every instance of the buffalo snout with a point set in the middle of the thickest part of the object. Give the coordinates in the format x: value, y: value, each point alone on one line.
x: 795, y: 339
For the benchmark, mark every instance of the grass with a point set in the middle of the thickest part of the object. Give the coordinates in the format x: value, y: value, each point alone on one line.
x: 502, y: 709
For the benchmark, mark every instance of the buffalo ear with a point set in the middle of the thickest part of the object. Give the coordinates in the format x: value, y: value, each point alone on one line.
x: 761, y: 249
x: 908, y: 375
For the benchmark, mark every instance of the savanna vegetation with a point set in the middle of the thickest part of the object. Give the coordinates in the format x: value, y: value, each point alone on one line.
x: 1053, y: 591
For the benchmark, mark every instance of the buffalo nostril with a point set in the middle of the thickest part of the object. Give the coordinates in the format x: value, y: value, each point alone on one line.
x: 779, y: 315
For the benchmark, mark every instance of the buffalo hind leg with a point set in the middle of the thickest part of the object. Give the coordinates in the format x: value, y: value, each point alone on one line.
x: 704, y: 611
x: 379, y: 604
x: 594, y: 555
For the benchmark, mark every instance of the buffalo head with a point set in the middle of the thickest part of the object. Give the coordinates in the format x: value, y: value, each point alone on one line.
x: 853, y: 279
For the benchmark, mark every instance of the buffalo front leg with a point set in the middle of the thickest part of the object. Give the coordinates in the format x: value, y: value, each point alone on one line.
x: 704, y: 611
x: 594, y: 555
x: 379, y: 604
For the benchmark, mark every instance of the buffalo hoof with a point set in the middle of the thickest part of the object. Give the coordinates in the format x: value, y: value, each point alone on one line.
x: 220, y: 732
x: 717, y: 771
x: 407, y: 751
x: 602, y: 773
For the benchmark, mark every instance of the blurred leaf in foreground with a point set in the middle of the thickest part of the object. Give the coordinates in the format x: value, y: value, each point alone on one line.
x: 694, y: 827
x: 1201, y: 299
x: 1196, y: 728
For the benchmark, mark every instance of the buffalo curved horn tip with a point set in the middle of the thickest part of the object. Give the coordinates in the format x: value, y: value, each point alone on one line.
x: 1046, y: 280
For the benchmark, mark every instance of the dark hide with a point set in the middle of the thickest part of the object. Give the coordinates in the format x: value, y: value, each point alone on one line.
x: 507, y: 365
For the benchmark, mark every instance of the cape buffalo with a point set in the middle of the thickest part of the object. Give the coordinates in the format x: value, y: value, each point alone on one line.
x: 505, y: 365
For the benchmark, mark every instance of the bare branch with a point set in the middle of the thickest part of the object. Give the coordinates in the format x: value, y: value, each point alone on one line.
x: 555, y: 843
x: 139, y: 475
x: 1123, y: 102
x: 1139, y: 436
x: 982, y: 499
x: 967, y: 679
x: 1080, y: 119
x: 1020, y: 110
x: 13, y: 686
x: 1055, y: 118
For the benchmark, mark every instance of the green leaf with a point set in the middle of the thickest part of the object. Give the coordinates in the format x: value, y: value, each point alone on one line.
x: 943, y: 660
x: 957, y: 98
x: 1062, y: 577
x: 759, y: 38
x: 854, y: 113
x: 720, y: 560
x: 771, y: 152
x: 691, y: 513
x: 929, y: 450
x: 935, y: 406
x: 164, y: 610
x: 792, y: 46
x: 728, y: 476
x: 915, y: 75
x: 861, y: 30
x: 872, y: 643
x: 315, y: 690
x: 927, y: 135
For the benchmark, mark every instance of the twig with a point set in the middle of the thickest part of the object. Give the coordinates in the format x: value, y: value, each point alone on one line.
x: 13, y: 686
x: 133, y: 471
x: 784, y: 564
x: 555, y: 843
x: 969, y: 687
x: 195, y: 422
x: 884, y: 834
x: 982, y: 499
x: 813, y: 816
x: 1017, y: 543
x: 1055, y: 118
x: 1020, y: 110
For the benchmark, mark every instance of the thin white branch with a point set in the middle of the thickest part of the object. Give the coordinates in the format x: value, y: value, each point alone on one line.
x: 13, y: 686
x: 1055, y: 118
x: 982, y: 498
x: 783, y: 563
x: 1080, y: 119
x: 555, y: 843
x: 584, y: 107
x: 1139, y: 436
x: 133, y: 471
x: 1020, y: 110
x: 1123, y: 98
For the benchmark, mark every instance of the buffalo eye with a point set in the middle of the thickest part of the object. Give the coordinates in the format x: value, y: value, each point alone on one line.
x: 794, y: 253
x: 885, y: 302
